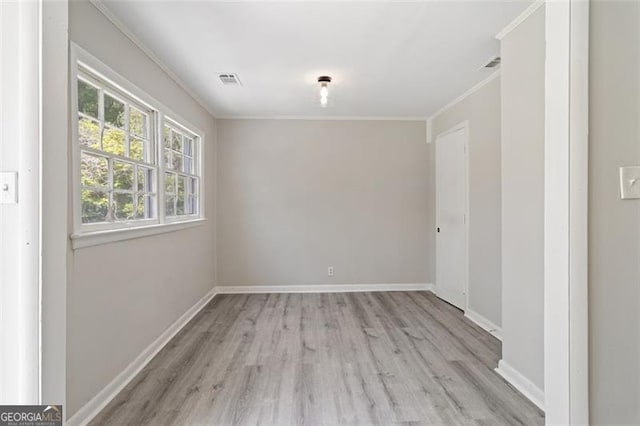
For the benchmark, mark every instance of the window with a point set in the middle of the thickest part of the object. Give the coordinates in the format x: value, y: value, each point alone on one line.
x: 135, y: 164
x: 180, y: 148
x: 117, y: 168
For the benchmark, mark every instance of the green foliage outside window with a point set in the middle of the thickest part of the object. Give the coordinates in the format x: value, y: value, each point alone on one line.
x: 112, y: 140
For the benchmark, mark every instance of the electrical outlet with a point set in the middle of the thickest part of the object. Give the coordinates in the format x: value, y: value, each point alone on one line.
x: 330, y: 271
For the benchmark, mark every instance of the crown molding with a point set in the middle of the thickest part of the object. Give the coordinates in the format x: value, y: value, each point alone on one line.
x: 466, y: 94
x: 520, y: 19
x: 99, y: 4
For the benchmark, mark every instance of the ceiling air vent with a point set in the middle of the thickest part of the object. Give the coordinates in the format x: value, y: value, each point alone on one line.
x: 492, y: 63
x: 229, y: 79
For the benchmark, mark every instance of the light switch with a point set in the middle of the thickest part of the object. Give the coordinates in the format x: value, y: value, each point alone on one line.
x: 8, y: 187
x: 630, y: 183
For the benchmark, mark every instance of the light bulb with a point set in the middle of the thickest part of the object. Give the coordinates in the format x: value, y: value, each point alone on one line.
x: 324, y: 91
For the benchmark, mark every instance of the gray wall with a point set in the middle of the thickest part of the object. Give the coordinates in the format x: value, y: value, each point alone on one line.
x: 482, y: 110
x: 297, y: 196
x: 614, y: 224
x: 523, y: 53
x: 122, y: 296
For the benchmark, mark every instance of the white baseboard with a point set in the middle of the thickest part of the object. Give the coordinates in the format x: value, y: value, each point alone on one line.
x: 484, y: 323
x: 524, y: 385
x: 323, y: 288
x: 85, y: 414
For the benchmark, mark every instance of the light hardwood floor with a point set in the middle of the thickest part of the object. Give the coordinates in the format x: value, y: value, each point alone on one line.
x: 297, y: 359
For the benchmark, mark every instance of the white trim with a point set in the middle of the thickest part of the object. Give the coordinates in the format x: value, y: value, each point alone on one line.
x: 429, y: 123
x: 521, y: 383
x: 566, y: 148
x: 520, y: 19
x: 464, y: 125
x: 29, y: 205
x: 323, y: 288
x: 466, y: 94
x: 120, y: 82
x: 20, y: 231
x: 127, y: 32
x: 579, y: 208
x: 160, y: 112
x: 54, y: 214
x: 320, y: 118
x: 484, y: 323
x: 89, y: 239
x: 85, y: 414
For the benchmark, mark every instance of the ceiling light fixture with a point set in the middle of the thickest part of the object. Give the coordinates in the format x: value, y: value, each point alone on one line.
x: 324, y: 90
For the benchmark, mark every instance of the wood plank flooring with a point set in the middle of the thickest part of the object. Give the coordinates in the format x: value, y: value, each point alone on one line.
x: 307, y: 359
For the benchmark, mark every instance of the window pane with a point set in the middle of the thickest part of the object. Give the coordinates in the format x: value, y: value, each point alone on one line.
x: 176, y: 141
x: 191, y: 205
x: 94, y: 170
x: 188, y: 165
x: 113, y: 111
x: 188, y: 146
x: 94, y: 206
x: 113, y: 141
x: 166, y: 137
x: 193, y: 186
x: 122, y: 175
x: 177, y: 161
x: 136, y: 149
x: 87, y: 99
x: 123, y: 206
x: 167, y: 159
x: 137, y: 122
x: 170, y: 182
x: 89, y: 133
x: 170, y: 208
x: 145, y: 179
x: 194, y: 158
x: 145, y: 207
x: 181, y: 196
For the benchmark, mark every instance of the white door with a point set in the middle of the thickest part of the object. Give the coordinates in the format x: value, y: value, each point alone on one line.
x: 451, y: 211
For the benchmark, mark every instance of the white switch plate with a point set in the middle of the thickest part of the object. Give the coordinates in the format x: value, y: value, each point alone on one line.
x: 630, y: 183
x: 8, y: 187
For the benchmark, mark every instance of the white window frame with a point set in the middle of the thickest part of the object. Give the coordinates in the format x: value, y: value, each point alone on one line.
x: 104, y: 86
x: 85, y: 235
x: 197, y: 166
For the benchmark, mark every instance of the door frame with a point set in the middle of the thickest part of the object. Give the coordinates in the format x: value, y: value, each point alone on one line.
x: 40, y: 328
x: 463, y: 125
x: 20, y: 228
x: 566, y: 320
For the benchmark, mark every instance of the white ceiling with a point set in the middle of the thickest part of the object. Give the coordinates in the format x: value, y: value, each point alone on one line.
x: 387, y: 59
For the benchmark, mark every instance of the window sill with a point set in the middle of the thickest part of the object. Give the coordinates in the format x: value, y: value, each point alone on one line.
x: 96, y: 238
